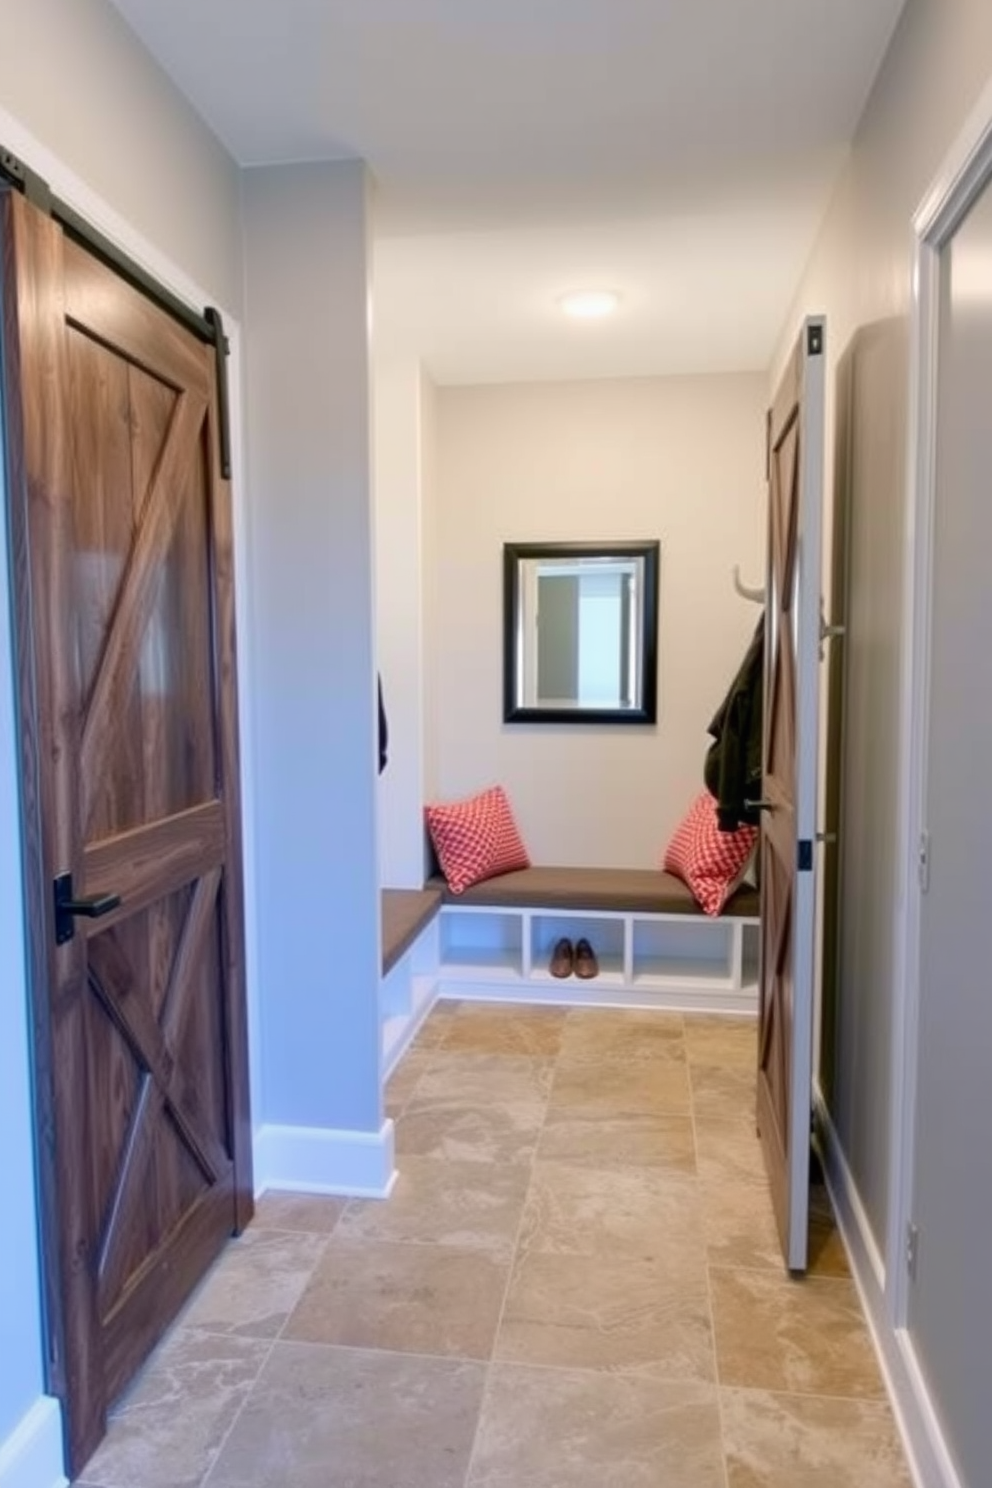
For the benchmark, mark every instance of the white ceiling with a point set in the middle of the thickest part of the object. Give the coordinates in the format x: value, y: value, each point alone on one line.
x: 681, y: 152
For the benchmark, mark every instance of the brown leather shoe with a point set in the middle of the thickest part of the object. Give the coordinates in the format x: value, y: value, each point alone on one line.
x: 560, y: 964
x: 585, y: 964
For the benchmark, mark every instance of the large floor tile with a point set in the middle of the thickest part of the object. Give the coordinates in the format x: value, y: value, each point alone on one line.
x: 403, y: 1081
x: 480, y: 1028
x: 728, y: 1043
x: 728, y: 1148
x: 827, y: 1256
x: 551, y: 1429
x: 475, y: 1206
x: 315, y: 1214
x: 614, y: 1087
x: 255, y: 1284
x: 509, y: 1079
x: 805, y: 1337
x: 609, y: 1313
x: 420, y: 1299
x: 784, y: 1441
x: 663, y: 1140
x: 168, y: 1430
x: 722, y: 1094
x: 486, y: 1131
x: 739, y: 1225
x: 593, y: 1034
x: 345, y: 1418
x: 627, y: 1211
x: 433, y: 1031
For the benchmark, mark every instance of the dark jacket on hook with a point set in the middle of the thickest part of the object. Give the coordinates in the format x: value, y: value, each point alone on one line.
x: 383, y: 732
x: 733, y: 762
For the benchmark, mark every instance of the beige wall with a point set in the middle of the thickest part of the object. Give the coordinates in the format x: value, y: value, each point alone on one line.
x: 860, y: 275
x: 75, y: 77
x: 678, y: 459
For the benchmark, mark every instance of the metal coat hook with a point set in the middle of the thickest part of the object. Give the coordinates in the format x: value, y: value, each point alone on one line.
x: 756, y: 596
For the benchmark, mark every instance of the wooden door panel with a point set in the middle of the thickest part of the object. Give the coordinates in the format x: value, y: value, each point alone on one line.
x: 784, y: 1099
x: 140, y: 587
x: 130, y: 324
x: 126, y: 641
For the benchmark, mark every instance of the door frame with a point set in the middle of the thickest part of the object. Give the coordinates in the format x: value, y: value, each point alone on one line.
x: 966, y: 170
x: 76, y: 194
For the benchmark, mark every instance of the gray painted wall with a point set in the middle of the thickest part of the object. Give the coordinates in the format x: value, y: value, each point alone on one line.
x: 74, y: 75
x: 21, y: 1379
x: 950, y: 1298
x: 860, y: 276
x: 78, y: 92
x: 310, y: 499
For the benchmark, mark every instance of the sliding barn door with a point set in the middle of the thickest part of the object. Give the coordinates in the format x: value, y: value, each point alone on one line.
x: 123, y: 575
x: 789, y: 787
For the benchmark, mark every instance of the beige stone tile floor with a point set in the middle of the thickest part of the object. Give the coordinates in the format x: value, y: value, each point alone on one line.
x: 576, y: 1283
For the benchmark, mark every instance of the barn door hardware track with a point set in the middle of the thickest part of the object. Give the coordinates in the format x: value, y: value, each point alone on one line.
x: 207, y: 327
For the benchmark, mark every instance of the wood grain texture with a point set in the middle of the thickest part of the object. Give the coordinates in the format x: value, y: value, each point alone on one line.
x: 778, y: 825
x: 141, y: 585
x: 232, y: 887
x: 130, y: 324
x: 149, y: 862
x: 34, y: 316
x: 128, y: 706
x: 38, y: 908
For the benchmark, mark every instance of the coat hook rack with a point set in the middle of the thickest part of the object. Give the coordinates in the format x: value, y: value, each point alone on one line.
x: 756, y: 596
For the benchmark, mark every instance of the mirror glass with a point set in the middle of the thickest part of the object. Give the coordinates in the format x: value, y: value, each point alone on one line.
x: 580, y: 629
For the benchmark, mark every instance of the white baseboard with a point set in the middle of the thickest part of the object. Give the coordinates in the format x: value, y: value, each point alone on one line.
x: 686, y: 998
x: 307, y: 1159
x: 31, y: 1456
x: 398, y: 1030
x: 926, y: 1450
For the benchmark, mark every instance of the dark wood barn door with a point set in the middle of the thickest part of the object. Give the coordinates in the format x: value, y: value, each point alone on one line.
x: 789, y: 788
x: 123, y: 574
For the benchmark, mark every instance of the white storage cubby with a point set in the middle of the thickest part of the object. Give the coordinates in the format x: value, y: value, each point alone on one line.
x: 604, y: 933
x: 645, y: 960
x: 485, y: 944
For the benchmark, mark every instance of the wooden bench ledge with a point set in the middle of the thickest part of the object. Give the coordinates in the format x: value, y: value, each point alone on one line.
x: 405, y: 912
x: 622, y: 890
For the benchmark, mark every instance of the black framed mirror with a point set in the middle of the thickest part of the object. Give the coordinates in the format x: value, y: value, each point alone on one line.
x: 580, y: 632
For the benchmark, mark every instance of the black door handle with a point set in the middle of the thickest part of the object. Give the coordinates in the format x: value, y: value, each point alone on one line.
x: 759, y: 805
x: 67, y: 908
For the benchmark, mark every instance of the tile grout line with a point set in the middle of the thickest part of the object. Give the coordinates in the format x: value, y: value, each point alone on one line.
x: 202, y: 1482
x: 470, y: 1466
x: 268, y: 1353
x: 709, y: 1287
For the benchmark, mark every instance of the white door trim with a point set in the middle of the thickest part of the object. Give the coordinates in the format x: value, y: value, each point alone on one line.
x: 966, y: 170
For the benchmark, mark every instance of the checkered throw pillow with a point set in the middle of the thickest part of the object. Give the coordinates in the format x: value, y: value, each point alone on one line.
x: 476, y: 839
x: 711, y: 862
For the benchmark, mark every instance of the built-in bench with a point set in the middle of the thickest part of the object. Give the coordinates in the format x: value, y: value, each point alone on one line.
x: 492, y: 943
x: 409, y: 934
x: 654, y: 945
x: 405, y: 912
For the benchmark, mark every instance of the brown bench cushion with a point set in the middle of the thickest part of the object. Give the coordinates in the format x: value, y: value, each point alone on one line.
x: 405, y: 912
x: 627, y: 890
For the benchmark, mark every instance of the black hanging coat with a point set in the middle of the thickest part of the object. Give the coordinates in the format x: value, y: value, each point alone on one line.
x: 732, y: 771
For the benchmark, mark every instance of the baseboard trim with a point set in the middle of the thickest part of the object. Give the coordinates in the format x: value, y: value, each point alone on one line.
x: 926, y: 1450
x: 571, y: 993
x: 31, y: 1456
x: 305, y: 1159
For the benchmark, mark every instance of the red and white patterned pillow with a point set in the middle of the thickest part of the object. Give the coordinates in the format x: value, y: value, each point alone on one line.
x: 711, y: 862
x: 476, y: 839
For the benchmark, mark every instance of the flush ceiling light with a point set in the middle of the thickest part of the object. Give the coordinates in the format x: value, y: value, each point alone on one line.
x: 589, y: 304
